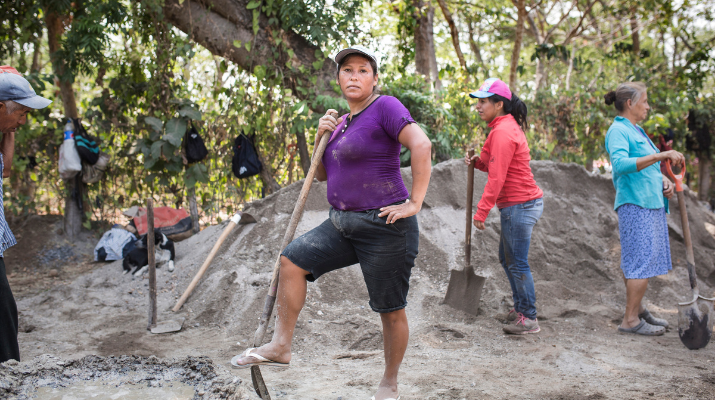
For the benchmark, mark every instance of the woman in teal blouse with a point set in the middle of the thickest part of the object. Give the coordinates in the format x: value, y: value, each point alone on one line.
x: 641, y: 204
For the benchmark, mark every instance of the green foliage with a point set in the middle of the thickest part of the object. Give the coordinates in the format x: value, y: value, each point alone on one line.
x: 139, y: 81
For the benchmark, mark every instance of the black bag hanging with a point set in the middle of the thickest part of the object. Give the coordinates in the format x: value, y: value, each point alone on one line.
x: 245, y: 162
x: 194, y: 145
x: 87, y: 146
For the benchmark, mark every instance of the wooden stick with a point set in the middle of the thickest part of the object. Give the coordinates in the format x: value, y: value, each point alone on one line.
x: 470, y: 196
x: 232, y: 223
x: 152, y: 262
x: 258, y: 383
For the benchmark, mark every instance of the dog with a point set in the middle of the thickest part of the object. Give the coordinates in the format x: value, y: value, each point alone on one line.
x: 138, y: 258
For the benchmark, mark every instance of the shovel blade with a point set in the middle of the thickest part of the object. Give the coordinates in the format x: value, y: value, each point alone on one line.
x: 246, y: 219
x: 258, y: 384
x: 173, y: 325
x: 695, y: 322
x: 464, y: 290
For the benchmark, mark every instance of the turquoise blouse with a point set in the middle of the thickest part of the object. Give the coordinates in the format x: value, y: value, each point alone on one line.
x: 625, y: 143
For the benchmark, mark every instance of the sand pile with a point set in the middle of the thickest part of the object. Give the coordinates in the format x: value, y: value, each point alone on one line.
x: 575, y: 257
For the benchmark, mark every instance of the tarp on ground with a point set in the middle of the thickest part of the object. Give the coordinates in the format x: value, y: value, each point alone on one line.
x: 167, y: 220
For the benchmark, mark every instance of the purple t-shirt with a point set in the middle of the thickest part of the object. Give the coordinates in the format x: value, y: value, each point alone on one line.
x: 363, y: 161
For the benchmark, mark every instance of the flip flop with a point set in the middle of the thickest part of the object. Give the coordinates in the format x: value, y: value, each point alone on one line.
x: 390, y: 398
x: 644, y: 328
x: 262, y: 361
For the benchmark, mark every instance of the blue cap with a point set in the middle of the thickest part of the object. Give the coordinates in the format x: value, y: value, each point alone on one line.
x: 16, y: 88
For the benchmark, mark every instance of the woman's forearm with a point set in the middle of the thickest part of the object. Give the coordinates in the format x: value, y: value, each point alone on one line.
x: 421, y: 157
x: 647, y: 161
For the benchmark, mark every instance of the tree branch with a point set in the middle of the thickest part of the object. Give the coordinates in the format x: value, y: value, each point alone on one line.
x: 216, y: 24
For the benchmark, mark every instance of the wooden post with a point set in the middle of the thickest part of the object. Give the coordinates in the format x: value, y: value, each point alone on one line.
x: 194, y: 210
x: 152, y: 262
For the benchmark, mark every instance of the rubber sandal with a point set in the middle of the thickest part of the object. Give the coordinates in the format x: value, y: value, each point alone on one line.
x: 643, y: 328
x: 262, y: 361
x: 649, y: 318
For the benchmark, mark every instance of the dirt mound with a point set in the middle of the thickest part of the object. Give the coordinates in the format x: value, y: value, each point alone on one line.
x: 126, y: 377
x: 575, y: 257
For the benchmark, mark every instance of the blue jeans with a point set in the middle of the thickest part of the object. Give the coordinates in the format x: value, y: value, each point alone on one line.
x: 517, y: 222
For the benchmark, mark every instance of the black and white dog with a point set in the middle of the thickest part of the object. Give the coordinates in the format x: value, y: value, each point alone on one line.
x: 138, y: 258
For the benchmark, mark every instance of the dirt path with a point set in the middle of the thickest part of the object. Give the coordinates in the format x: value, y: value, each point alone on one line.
x: 337, y: 348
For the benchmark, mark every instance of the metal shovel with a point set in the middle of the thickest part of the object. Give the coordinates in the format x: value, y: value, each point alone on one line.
x: 465, y: 287
x: 695, y: 317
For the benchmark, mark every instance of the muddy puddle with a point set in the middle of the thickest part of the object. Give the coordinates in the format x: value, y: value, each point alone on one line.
x: 109, y: 391
x: 118, y: 378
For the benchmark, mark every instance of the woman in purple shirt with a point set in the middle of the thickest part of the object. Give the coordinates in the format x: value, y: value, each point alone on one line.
x: 372, y: 218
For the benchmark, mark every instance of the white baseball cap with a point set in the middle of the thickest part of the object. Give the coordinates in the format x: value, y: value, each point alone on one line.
x: 356, y: 50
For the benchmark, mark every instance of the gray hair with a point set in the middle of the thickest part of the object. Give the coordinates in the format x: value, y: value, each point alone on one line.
x: 626, y: 91
x: 12, y: 106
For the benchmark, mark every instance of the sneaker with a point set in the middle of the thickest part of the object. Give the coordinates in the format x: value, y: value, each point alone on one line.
x: 649, y: 318
x: 512, y: 315
x: 523, y: 326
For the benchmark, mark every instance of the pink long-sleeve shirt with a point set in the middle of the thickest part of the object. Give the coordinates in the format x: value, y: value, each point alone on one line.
x: 505, y: 157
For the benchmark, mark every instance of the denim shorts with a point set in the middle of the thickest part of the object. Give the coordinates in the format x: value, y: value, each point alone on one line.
x: 386, y: 253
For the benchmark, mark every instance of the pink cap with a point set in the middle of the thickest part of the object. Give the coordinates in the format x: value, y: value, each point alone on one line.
x: 490, y: 87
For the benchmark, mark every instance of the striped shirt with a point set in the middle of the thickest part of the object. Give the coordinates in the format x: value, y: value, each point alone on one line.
x: 7, y: 239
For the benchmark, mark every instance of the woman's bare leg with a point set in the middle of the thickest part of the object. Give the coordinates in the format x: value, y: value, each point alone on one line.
x: 292, y: 288
x: 635, y: 289
x: 396, y: 334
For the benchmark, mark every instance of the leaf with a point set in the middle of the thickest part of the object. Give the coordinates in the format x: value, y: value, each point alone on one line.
x: 175, y: 130
x: 256, y: 16
x: 154, y: 123
x: 260, y: 72
x: 247, y: 45
x: 237, y: 43
x: 253, y: 4
x: 156, y: 149
x: 190, y: 112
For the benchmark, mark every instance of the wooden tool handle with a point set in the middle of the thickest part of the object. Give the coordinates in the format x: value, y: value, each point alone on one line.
x: 470, y: 197
x: 151, y: 262
x: 231, y: 224
x: 689, y: 256
x: 290, y: 232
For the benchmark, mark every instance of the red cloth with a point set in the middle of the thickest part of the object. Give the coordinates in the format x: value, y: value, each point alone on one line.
x: 163, y: 217
x: 505, y: 157
x: 8, y: 69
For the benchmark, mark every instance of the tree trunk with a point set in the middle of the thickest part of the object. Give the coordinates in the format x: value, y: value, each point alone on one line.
x: 635, y: 36
x: 73, y: 214
x: 704, y: 165
x: 474, y: 44
x: 434, y: 68
x: 423, y: 38
x: 569, y: 71
x: 303, y: 152
x: 270, y: 185
x: 519, y: 35
x: 540, y: 76
x: 194, y: 210
x: 36, y: 55
x: 453, y: 32
x: 217, y: 24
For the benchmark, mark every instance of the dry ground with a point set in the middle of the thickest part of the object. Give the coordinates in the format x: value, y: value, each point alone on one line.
x: 337, y: 348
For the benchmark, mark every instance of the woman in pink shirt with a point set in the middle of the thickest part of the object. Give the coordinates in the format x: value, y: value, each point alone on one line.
x: 511, y: 186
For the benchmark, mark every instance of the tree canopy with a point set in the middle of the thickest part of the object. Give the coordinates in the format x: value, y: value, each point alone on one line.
x: 139, y: 73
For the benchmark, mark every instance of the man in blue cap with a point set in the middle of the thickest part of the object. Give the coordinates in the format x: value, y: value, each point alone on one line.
x: 17, y: 98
